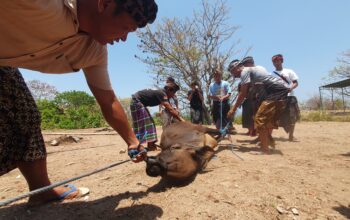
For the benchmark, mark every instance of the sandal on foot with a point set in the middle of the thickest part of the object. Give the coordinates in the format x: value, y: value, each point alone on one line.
x: 82, y: 191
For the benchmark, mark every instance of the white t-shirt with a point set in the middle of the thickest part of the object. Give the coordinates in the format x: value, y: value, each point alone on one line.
x: 245, y: 75
x: 289, y: 75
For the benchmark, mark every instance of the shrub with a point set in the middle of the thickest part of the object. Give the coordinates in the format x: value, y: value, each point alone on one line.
x: 314, y: 116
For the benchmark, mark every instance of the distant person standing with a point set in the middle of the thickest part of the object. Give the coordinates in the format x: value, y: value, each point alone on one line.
x: 220, y: 92
x: 290, y: 79
x: 195, y: 96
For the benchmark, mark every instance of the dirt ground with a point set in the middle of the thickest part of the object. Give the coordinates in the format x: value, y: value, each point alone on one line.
x: 306, y: 179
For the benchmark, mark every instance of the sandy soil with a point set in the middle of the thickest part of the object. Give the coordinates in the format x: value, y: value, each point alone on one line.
x: 310, y: 177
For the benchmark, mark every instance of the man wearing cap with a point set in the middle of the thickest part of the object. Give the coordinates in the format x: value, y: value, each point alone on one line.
x: 290, y: 80
x: 250, y: 105
x: 166, y: 117
x: 58, y: 36
x: 219, y: 93
x: 143, y: 123
x: 269, y: 89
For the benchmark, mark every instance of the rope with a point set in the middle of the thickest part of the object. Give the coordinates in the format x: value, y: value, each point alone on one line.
x: 234, y: 153
x: 47, y: 188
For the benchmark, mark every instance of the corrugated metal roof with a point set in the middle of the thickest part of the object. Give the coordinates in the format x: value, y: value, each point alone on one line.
x: 340, y: 84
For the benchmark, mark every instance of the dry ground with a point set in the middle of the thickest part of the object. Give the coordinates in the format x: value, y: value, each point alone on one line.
x: 311, y: 175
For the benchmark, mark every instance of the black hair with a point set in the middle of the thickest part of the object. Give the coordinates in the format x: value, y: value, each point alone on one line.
x: 142, y: 11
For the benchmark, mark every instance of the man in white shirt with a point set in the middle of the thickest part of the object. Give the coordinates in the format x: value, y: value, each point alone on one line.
x: 58, y: 36
x: 290, y: 80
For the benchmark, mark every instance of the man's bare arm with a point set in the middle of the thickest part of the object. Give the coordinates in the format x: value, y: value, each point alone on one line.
x: 114, y: 114
x: 172, y: 111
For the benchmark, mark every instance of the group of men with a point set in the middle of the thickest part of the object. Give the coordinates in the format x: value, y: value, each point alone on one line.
x: 256, y: 89
x: 270, y: 98
x: 267, y: 100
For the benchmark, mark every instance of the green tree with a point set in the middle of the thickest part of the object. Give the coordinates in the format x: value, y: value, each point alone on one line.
x: 70, y: 110
x: 74, y: 99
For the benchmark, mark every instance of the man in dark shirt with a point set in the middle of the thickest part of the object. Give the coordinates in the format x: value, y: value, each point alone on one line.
x: 143, y: 123
x: 195, y: 96
x: 270, y: 90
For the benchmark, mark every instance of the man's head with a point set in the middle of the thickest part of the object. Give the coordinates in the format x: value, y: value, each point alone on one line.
x: 248, y: 61
x: 111, y: 20
x: 217, y: 75
x: 277, y: 61
x: 194, y: 84
x: 170, y: 80
x: 171, y: 88
x: 235, y: 68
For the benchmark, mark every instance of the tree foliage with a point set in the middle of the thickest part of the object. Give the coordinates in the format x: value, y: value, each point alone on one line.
x: 190, y: 49
x: 70, y: 110
x: 41, y: 90
x: 74, y: 99
x: 342, y: 71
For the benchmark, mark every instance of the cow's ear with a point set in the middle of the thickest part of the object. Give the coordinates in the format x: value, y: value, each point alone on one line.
x: 203, y: 155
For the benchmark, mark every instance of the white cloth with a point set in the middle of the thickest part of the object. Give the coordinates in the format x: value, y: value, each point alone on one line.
x: 289, y: 75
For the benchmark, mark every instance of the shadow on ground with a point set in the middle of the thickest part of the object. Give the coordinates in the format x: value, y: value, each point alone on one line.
x: 104, y: 208
x: 244, y: 149
x: 343, y: 210
x: 346, y: 155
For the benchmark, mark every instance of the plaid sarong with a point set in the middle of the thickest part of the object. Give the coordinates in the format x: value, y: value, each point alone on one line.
x: 20, y: 134
x: 143, y: 124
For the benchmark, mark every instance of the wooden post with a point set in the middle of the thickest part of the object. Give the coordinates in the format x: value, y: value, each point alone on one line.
x: 342, y: 94
x: 321, y: 104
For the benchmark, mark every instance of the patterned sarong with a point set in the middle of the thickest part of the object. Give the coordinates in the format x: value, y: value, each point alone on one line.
x: 247, y: 114
x: 20, y: 133
x: 268, y: 114
x: 290, y: 115
x: 143, y: 124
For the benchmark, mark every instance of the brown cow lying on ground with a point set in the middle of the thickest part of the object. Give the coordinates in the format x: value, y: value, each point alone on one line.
x: 186, y: 150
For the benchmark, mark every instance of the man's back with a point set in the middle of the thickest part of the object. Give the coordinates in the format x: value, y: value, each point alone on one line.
x: 36, y: 25
x: 273, y: 87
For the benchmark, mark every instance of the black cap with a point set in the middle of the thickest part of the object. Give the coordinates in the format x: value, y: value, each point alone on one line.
x: 247, y: 60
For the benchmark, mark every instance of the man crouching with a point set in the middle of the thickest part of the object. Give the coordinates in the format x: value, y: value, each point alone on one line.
x: 143, y: 123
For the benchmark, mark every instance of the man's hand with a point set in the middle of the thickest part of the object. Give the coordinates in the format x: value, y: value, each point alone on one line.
x: 231, y: 113
x: 181, y: 119
x: 137, y: 153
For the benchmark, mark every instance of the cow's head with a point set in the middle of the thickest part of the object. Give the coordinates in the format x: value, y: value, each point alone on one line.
x: 179, y: 162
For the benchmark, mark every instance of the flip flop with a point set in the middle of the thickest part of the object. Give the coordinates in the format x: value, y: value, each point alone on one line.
x: 83, y: 191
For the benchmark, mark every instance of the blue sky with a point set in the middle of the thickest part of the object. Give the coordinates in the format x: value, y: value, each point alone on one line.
x: 310, y: 34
